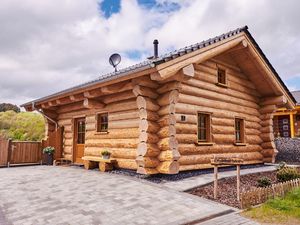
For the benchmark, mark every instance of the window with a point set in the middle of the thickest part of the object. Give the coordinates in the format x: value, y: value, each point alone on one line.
x: 102, y: 122
x: 81, y: 131
x: 183, y: 118
x: 203, y: 127
x: 239, y: 130
x: 221, y: 76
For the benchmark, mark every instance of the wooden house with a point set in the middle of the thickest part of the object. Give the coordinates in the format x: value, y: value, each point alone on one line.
x: 287, y: 121
x: 176, y: 111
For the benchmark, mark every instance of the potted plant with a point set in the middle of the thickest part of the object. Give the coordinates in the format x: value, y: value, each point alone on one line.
x: 105, y: 154
x: 48, y: 153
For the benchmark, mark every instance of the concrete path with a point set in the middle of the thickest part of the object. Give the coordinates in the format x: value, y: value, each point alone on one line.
x: 67, y: 195
x: 229, y: 219
x: 192, y: 182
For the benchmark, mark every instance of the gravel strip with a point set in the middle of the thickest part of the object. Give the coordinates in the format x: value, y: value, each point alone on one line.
x: 159, y: 178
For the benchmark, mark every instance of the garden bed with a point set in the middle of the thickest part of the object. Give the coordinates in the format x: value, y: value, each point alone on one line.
x: 227, y: 188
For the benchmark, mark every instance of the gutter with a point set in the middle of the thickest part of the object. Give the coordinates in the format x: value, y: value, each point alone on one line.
x: 42, y: 113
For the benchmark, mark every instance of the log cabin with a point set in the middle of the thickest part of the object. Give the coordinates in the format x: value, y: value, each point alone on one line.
x: 176, y: 111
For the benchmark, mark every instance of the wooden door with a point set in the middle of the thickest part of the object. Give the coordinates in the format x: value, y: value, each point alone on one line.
x: 79, y: 140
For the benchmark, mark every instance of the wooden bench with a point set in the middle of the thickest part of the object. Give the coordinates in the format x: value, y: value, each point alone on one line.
x: 91, y: 162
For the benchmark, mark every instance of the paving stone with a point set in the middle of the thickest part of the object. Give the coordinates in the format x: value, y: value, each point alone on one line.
x: 72, y: 195
x: 229, y: 219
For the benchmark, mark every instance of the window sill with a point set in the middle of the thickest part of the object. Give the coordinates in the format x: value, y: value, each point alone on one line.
x: 101, y: 132
x: 240, y: 144
x: 222, y: 85
x: 204, y: 143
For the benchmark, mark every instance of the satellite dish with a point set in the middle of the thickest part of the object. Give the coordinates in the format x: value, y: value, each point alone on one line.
x: 114, y: 60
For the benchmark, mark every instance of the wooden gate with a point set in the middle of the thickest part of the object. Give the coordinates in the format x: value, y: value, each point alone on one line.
x: 25, y: 152
x: 29, y: 152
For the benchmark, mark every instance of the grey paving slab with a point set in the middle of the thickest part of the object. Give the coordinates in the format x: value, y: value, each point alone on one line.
x: 192, y: 182
x: 230, y: 219
x: 68, y: 195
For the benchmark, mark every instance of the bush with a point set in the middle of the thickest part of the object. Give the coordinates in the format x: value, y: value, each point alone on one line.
x: 48, y: 150
x: 264, y: 182
x: 23, y: 126
x: 287, y: 173
x: 105, y: 152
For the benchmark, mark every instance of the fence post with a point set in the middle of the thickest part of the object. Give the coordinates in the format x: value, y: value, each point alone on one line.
x: 9, y: 145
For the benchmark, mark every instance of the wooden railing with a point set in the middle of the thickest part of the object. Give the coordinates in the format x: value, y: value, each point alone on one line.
x: 257, y: 196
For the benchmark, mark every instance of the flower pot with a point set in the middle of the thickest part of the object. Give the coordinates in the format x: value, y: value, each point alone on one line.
x: 105, y: 156
x: 48, y: 159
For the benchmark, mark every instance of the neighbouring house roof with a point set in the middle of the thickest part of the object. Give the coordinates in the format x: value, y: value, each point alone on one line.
x: 150, y: 63
x: 296, y: 95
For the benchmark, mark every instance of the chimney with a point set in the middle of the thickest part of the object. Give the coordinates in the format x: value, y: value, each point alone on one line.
x: 155, y: 44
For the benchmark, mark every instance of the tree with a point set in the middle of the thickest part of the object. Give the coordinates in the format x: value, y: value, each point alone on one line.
x: 23, y: 126
x: 8, y: 106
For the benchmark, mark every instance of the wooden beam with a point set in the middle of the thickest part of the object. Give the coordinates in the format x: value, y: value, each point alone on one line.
x: 278, y: 101
x: 77, y: 97
x: 93, y: 93
x: 92, y: 104
x: 198, y: 58
x: 70, y: 107
x: 185, y: 73
x: 241, y: 46
x: 119, y: 87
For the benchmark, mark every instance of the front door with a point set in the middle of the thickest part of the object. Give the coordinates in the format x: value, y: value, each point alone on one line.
x: 79, y: 140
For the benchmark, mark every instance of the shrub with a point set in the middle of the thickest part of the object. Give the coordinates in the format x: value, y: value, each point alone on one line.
x: 264, y: 182
x: 105, y: 152
x: 287, y: 173
x: 48, y: 150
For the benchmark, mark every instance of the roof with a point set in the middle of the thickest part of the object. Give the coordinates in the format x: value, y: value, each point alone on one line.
x: 296, y: 95
x: 150, y: 63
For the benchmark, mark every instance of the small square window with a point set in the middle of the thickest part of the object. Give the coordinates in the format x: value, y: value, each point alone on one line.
x: 221, y: 76
x: 102, y: 122
x: 183, y: 118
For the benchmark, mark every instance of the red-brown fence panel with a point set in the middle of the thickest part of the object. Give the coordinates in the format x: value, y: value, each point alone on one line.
x: 23, y: 152
x: 4, y: 148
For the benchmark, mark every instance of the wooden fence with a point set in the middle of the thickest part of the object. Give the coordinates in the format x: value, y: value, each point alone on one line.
x: 29, y: 152
x: 19, y: 152
x: 260, y: 195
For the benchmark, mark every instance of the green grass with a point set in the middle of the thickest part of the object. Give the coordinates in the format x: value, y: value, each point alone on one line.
x: 278, y: 211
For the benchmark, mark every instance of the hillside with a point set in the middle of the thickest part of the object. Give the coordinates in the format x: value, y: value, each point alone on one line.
x: 23, y: 126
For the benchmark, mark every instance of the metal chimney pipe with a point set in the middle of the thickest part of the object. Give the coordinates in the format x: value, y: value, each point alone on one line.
x: 155, y: 43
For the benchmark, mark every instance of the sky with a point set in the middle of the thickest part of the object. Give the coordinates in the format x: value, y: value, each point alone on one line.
x: 50, y: 45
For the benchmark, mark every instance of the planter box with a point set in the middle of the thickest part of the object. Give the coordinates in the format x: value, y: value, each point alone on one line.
x: 48, y: 159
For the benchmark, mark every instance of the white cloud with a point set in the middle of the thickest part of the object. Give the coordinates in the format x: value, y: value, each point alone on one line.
x: 47, y: 46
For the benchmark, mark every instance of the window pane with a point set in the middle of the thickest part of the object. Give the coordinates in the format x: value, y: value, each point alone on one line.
x: 102, y: 122
x: 203, y: 126
x: 221, y: 76
x: 239, y: 130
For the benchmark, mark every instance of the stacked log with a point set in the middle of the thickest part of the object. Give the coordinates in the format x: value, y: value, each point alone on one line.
x: 122, y: 138
x: 268, y: 107
x: 201, y: 94
x: 168, y: 144
x: 147, y: 149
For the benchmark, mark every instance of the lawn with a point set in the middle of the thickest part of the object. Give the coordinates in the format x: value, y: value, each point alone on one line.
x: 278, y: 211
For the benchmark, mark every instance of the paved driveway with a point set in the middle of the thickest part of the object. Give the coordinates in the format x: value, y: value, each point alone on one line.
x: 67, y: 195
